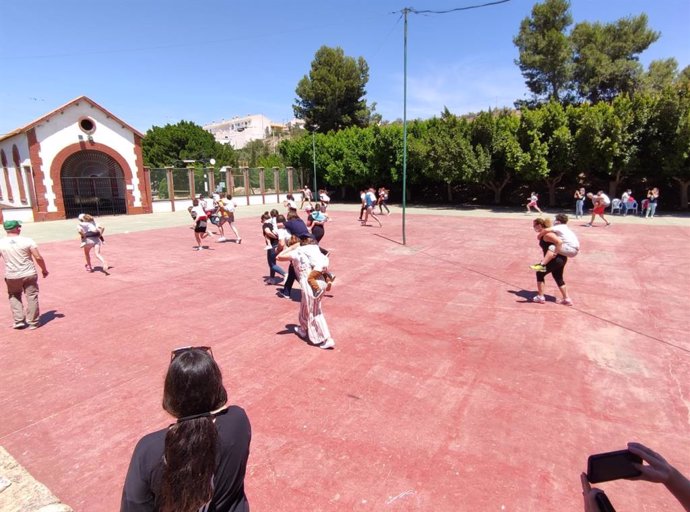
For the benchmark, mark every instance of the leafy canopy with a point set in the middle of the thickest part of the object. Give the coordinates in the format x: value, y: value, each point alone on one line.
x: 331, y: 97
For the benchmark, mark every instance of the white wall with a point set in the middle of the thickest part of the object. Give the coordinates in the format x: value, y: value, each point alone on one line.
x: 62, y: 129
x: 23, y: 147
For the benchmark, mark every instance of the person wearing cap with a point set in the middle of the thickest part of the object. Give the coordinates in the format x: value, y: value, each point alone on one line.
x: 19, y: 254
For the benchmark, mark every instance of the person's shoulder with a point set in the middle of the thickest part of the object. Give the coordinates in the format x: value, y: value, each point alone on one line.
x: 151, y: 444
x: 234, y: 416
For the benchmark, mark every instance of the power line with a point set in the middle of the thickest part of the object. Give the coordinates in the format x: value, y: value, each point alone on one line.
x: 427, y: 11
x: 404, y: 14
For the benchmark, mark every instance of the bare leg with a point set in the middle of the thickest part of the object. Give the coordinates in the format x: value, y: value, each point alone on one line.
x: 97, y: 249
x: 87, y: 256
x: 376, y: 217
x: 237, y: 233
x: 564, y: 292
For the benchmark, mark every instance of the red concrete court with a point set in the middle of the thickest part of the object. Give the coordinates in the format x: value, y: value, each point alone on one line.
x: 448, y: 389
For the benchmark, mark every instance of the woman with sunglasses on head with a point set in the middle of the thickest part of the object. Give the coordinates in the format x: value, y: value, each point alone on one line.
x: 199, y: 462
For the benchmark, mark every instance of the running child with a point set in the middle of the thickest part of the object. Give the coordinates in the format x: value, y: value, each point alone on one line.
x: 532, y: 203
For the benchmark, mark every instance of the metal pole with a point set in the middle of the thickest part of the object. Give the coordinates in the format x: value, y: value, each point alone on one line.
x: 313, y: 150
x: 404, y: 181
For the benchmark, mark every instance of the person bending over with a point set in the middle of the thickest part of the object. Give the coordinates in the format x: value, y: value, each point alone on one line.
x: 319, y: 263
x: 567, y: 245
x: 556, y: 267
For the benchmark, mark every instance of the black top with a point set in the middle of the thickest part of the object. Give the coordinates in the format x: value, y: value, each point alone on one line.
x: 146, y: 467
x: 269, y: 225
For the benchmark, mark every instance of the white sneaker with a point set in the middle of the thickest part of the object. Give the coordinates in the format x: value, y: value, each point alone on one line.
x: 565, y: 302
x: 221, y: 239
x: 539, y: 299
x: 329, y: 343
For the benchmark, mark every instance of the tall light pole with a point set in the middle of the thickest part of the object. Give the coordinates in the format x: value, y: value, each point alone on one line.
x: 404, y: 180
x: 405, y: 12
x: 313, y: 156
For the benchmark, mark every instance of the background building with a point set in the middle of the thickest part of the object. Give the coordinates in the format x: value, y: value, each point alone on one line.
x: 79, y: 158
x: 240, y: 131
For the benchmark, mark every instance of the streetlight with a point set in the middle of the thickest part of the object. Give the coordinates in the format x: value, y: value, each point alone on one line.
x: 313, y: 154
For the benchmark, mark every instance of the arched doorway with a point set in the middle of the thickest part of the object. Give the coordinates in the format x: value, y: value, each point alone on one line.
x: 93, y: 182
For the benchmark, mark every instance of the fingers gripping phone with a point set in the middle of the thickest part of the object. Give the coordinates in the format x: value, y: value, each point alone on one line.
x: 603, y: 467
x: 603, y: 503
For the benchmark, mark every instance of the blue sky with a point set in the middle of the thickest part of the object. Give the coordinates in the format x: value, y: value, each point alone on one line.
x: 153, y: 62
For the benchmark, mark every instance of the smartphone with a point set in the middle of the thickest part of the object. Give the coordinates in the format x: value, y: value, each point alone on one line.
x: 603, y: 467
x: 603, y: 503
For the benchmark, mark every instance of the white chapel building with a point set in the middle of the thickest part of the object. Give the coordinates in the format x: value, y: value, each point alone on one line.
x: 79, y: 158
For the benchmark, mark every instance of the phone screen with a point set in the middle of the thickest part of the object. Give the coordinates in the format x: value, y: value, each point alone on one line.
x: 603, y: 467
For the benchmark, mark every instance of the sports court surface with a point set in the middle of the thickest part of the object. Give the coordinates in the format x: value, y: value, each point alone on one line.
x: 448, y: 390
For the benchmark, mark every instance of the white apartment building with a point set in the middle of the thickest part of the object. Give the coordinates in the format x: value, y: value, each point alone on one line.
x: 239, y: 131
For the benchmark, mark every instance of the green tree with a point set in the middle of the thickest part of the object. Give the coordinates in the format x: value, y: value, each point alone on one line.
x: 606, y: 56
x: 171, y: 144
x: 669, y: 129
x: 259, y: 153
x: 451, y: 157
x: 545, y: 49
x: 332, y: 96
x: 660, y: 75
x: 608, y: 137
x: 548, y: 142
x: 498, y: 157
x: 387, y: 151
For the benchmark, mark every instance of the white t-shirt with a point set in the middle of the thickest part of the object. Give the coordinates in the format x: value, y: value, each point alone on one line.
x: 317, y: 259
x: 606, y: 200
x: 325, y: 198
x: 566, y: 235
x: 229, y: 205
x: 199, y: 211
x: 209, y: 204
x: 88, y: 227
x: 16, y: 251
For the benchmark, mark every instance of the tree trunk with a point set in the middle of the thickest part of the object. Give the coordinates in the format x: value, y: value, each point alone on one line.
x: 613, y: 185
x: 552, y: 183
x: 683, y: 193
x: 450, y: 192
x: 498, y: 187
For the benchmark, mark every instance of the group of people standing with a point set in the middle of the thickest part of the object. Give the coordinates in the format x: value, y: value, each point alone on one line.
x: 600, y: 201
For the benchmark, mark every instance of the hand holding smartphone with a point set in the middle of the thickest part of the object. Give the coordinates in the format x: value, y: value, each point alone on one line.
x: 604, y: 467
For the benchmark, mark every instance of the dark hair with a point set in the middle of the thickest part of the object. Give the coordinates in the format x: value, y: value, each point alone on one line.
x: 309, y: 240
x: 562, y: 218
x: 193, y: 385
x: 195, y: 202
x: 228, y: 196
x: 292, y: 214
x: 265, y: 216
x: 274, y: 213
x: 280, y: 218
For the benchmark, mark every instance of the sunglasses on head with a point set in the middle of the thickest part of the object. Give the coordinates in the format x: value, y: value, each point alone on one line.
x: 181, y: 350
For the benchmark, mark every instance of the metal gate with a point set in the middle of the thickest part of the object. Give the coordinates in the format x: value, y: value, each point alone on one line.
x: 93, y: 183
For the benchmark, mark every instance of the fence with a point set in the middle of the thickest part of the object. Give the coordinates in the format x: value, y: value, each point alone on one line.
x: 257, y: 185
